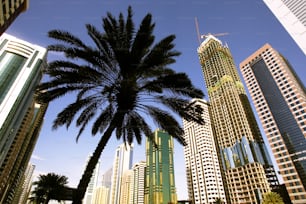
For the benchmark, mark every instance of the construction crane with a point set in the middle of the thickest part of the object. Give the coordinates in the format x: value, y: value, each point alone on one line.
x: 216, y: 34
x: 205, y: 35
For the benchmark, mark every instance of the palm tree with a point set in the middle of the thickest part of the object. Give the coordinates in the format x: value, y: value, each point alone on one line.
x: 218, y: 201
x: 272, y: 198
x: 47, y: 187
x: 118, y: 83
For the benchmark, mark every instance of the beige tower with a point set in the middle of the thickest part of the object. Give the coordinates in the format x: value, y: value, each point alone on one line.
x: 9, y: 10
x: 247, y: 170
x: 280, y: 101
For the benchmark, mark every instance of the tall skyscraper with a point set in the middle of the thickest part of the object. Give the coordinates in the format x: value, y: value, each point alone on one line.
x: 122, y: 162
x: 9, y: 10
x: 280, y: 101
x: 21, y: 116
x: 202, y: 166
x: 246, y: 167
x: 126, y: 187
x: 138, y: 184
x: 160, y: 184
x: 107, y: 178
x: 89, y: 194
x: 24, y: 190
x: 292, y: 15
x: 101, y: 195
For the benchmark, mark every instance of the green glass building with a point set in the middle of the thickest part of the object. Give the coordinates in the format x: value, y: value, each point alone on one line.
x: 159, y: 182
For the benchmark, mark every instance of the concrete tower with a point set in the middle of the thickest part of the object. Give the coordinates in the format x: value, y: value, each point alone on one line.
x: 138, y: 184
x: 247, y: 170
x: 122, y: 162
x: 280, y: 101
x: 292, y: 15
x: 9, y: 10
x: 89, y: 194
x: 202, y: 166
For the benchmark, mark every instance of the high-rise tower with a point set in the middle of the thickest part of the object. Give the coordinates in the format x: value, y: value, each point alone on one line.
x: 139, y: 171
x: 292, y: 15
x: 280, y: 101
x: 122, y: 162
x: 89, y: 194
x: 246, y: 166
x: 9, y: 10
x: 21, y: 116
x: 160, y: 185
x: 202, y: 166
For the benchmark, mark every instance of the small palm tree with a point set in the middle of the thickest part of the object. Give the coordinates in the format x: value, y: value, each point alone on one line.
x: 218, y: 201
x: 119, y: 82
x: 47, y: 187
x: 272, y: 198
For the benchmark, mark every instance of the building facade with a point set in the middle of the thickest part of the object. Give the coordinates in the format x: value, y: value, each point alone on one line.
x: 92, y: 185
x: 21, y: 116
x: 280, y: 101
x: 122, y: 162
x: 101, y: 195
x: 126, y: 193
x: 292, y: 15
x: 204, y: 180
x: 9, y: 10
x: 159, y: 183
x: 246, y: 168
x: 24, y: 189
x: 138, y: 183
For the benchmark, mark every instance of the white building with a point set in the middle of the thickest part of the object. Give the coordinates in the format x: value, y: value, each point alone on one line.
x: 21, y: 65
x: 292, y: 15
x: 122, y: 162
x: 100, y: 195
x: 138, y: 184
x: 202, y: 167
x: 89, y: 194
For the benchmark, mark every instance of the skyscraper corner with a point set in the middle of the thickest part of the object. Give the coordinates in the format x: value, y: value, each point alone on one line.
x: 21, y: 116
x: 279, y: 98
x: 292, y: 15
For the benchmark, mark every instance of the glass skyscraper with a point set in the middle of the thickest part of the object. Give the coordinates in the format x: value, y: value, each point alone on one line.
x: 159, y: 182
x: 246, y: 167
x: 21, y: 116
x: 280, y: 101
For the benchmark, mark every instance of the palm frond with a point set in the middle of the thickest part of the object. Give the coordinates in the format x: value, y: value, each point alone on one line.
x: 103, y: 120
x: 67, y: 114
x: 143, y: 40
x: 66, y: 37
x: 46, y: 96
x: 184, y: 108
x: 161, y: 54
x: 167, y: 123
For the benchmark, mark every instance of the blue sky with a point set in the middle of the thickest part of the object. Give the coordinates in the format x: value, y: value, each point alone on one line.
x: 249, y: 23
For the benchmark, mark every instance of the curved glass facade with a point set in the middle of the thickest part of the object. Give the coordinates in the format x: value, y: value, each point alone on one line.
x: 244, y: 152
x: 10, y: 66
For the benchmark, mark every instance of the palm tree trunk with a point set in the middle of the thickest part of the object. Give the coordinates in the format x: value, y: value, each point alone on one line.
x: 79, y: 193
